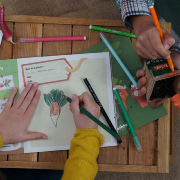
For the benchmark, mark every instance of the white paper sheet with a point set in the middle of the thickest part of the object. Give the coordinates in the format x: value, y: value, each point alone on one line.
x: 98, y: 71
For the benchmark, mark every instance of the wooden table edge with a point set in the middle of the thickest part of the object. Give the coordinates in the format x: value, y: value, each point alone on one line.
x: 60, y: 166
x: 62, y: 20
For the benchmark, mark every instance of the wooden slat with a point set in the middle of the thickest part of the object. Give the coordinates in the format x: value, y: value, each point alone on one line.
x: 164, y: 140
x: 92, y: 38
x: 60, y: 20
x: 6, y: 53
x: 171, y: 151
x: 60, y: 166
x: 114, y: 155
x: 22, y: 30
x: 50, y: 49
x: 147, y: 138
x: 26, y: 50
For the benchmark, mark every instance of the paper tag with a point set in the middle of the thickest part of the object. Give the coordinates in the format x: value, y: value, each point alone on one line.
x: 1, y: 36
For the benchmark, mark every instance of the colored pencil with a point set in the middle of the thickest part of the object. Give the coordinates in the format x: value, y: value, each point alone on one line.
x: 158, y: 27
x: 88, y: 114
x: 102, y: 109
x: 135, y: 138
x: 118, y: 59
x: 46, y: 39
x: 122, y: 33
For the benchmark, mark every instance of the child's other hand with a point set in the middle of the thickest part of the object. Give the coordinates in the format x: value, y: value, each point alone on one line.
x: 148, y: 43
x: 142, y: 88
x: 14, y: 119
x: 176, y: 58
x: 81, y: 120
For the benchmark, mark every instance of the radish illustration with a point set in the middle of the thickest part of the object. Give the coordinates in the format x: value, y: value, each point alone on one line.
x: 55, y: 100
x: 1, y: 85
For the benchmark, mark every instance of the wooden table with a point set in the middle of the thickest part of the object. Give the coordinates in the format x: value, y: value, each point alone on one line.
x: 156, y: 138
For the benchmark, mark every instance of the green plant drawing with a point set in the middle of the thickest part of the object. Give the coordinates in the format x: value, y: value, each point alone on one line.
x: 55, y: 100
x: 115, y: 81
x: 6, y: 82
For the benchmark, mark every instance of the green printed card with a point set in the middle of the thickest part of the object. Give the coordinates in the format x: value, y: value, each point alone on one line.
x: 138, y: 110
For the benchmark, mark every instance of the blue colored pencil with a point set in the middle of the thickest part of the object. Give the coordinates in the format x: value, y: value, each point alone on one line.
x: 106, y: 42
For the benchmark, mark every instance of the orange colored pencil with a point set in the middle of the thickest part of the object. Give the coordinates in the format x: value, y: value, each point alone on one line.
x: 158, y: 27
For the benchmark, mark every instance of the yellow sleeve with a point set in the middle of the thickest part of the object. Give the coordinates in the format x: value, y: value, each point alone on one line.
x: 83, y: 153
x: 1, y: 141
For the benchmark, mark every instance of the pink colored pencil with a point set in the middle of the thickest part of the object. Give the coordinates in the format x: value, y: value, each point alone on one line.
x: 43, y: 39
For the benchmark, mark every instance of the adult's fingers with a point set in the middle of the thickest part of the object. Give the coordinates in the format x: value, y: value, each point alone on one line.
x: 140, y: 73
x: 159, y: 47
x: 168, y: 40
x: 29, y: 98
x: 142, y: 82
x: 145, y: 50
x: 142, y: 92
x: 11, y: 98
x: 33, y: 105
x: 22, y: 96
x: 74, y: 106
x: 155, y: 104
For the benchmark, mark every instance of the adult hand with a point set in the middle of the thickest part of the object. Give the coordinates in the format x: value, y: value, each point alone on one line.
x: 14, y: 119
x: 81, y: 120
x: 149, y: 44
x: 142, y: 88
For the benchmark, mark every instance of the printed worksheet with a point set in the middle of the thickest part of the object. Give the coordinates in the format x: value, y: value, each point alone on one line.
x: 63, y: 75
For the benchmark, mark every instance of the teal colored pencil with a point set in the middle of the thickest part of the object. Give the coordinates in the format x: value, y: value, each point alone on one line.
x: 106, y: 42
x: 122, y: 33
x: 135, y: 138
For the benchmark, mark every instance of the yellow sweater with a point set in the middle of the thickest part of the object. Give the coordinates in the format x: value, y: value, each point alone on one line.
x: 83, y: 153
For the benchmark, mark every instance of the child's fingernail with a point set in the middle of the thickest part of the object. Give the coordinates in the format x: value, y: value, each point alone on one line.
x: 74, y: 96
x: 14, y: 89
x: 166, y: 46
x: 29, y: 85
x: 44, y: 137
x: 38, y: 91
x: 35, y: 84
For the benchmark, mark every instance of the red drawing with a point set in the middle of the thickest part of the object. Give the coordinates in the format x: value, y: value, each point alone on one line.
x: 134, y: 94
x: 123, y: 93
x: 1, y: 85
x: 49, y: 61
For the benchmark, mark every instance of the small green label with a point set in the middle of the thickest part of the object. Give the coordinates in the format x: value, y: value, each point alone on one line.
x: 158, y: 67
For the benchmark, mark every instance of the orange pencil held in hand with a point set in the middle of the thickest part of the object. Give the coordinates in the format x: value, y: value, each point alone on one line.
x: 156, y: 22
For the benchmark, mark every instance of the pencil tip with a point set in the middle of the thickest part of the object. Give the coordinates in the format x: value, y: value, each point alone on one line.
x: 122, y: 146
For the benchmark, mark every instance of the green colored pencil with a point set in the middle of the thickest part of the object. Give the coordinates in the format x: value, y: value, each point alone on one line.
x: 96, y: 121
x: 122, y: 33
x: 135, y: 138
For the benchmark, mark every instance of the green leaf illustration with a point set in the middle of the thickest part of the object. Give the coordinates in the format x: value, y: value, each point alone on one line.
x: 118, y: 52
x: 9, y: 81
x: 115, y: 81
x: 116, y: 46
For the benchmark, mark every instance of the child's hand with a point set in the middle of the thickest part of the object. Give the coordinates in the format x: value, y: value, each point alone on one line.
x: 148, y: 43
x: 14, y: 119
x: 81, y: 120
x: 142, y: 88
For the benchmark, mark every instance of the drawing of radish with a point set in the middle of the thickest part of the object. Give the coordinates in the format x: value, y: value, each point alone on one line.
x: 55, y: 100
x: 1, y: 85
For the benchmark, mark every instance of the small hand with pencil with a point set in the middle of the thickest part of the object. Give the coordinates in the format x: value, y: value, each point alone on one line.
x: 81, y: 120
